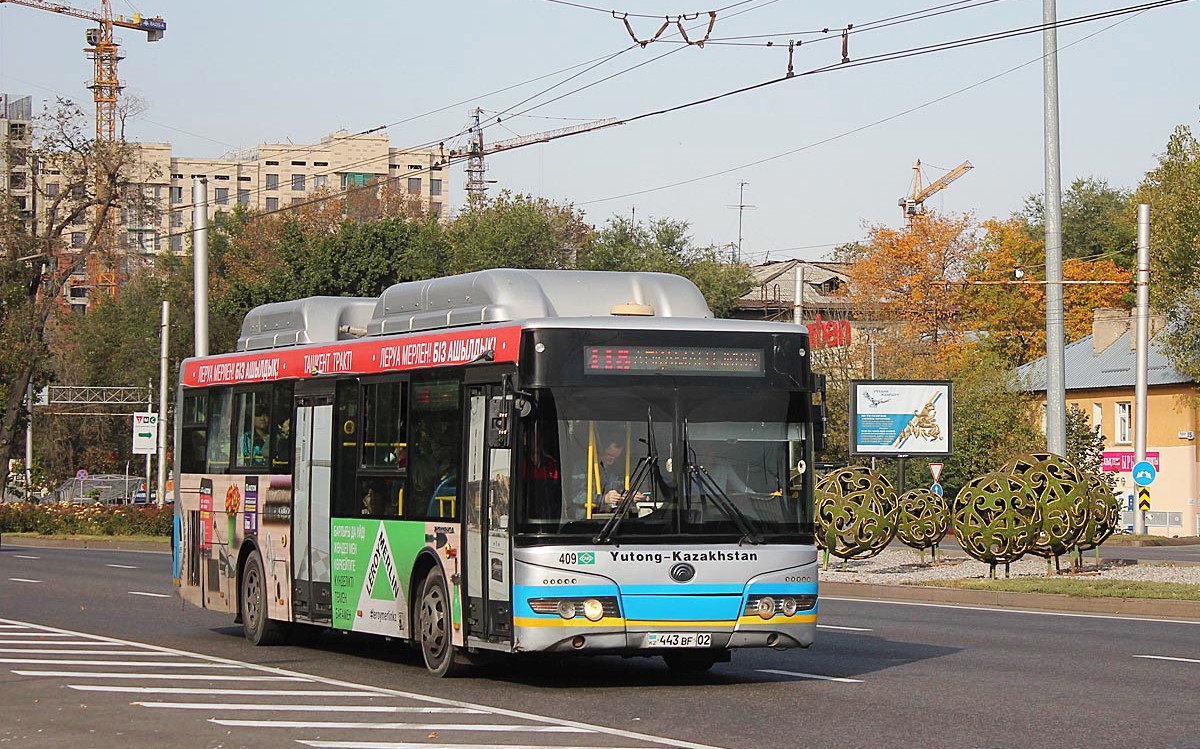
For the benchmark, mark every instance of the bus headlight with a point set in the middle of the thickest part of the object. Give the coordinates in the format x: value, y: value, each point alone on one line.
x: 765, y: 607
x: 593, y: 609
x: 566, y: 609
x: 789, y: 607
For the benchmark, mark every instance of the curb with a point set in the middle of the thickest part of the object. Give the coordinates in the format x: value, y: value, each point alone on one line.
x: 1143, y: 607
x: 115, y: 544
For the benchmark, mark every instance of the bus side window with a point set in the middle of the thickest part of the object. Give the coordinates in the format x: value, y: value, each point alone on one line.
x: 220, y: 432
x: 345, y: 455
x: 252, y: 423
x: 281, y: 427
x: 384, y: 467
x: 192, y: 458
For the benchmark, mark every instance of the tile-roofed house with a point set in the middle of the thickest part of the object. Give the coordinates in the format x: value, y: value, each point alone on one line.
x: 1100, y: 379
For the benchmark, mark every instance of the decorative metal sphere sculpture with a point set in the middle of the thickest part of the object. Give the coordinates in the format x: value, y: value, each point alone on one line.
x: 856, y: 513
x: 922, y: 519
x: 1104, y: 514
x: 996, y: 518
x: 1062, y: 492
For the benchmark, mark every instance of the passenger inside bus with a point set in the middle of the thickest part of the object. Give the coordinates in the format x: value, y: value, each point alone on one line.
x: 540, y: 473
x: 254, y: 442
x: 281, y: 444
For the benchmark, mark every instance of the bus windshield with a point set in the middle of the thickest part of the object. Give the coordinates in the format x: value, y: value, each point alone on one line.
x: 722, y: 463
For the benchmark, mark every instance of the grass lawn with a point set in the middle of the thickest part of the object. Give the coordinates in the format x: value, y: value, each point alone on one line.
x: 1094, y: 588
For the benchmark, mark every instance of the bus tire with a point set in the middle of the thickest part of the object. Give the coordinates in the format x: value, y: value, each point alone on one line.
x: 689, y: 663
x: 256, y: 625
x: 434, y: 619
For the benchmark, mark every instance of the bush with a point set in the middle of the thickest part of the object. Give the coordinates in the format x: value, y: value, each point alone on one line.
x: 92, y: 519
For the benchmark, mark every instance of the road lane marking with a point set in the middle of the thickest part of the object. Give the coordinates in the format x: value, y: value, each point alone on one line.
x: 123, y: 566
x: 172, y: 677
x: 63, y: 651
x: 22, y: 580
x: 229, y: 692
x: 279, y: 674
x: 24, y: 556
x: 427, y: 745
x: 4, y: 641
x: 316, y: 724
x: 149, y: 595
x: 37, y: 634
x: 800, y: 675
x: 845, y: 629
x: 70, y: 662
x: 1169, y: 658
x: 999, y: 610
x: 312, y: 708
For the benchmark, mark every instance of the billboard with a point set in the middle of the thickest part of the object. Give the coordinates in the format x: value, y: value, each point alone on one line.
x: 892, y: 418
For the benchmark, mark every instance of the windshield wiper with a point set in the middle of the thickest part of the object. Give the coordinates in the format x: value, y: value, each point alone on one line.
x: 745, y: 525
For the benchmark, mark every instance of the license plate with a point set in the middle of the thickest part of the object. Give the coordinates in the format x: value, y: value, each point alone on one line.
x: 679, y: 640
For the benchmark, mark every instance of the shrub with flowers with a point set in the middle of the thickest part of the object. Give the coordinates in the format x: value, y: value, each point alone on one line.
x: 92, y: 519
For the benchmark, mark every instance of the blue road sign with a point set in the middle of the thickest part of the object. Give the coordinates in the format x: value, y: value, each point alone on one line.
x: 1144, y: 473
x: 937, y: 489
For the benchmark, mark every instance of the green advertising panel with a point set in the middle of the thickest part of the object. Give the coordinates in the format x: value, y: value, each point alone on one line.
x: 371, y: 564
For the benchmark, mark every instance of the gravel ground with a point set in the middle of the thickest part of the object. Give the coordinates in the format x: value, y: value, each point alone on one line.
x: 902, y: 566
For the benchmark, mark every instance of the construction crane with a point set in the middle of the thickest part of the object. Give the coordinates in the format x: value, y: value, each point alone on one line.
x: 476, y: 150
x: 106, y: 86
x: 914, y: 204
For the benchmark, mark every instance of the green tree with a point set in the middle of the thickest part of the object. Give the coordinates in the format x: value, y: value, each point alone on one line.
x: 1096, y: 220
x: 1173, y: 189
x: 664, y: 246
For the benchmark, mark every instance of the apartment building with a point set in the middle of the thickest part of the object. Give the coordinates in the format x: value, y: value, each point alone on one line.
x: 269, y: 177
x: 16, y: 138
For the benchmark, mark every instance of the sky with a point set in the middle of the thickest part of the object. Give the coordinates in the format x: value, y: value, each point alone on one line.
x: 823, y: 156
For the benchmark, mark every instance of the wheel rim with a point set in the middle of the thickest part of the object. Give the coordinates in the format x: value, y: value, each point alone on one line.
x: 434, y: 632
x: 253, y: 597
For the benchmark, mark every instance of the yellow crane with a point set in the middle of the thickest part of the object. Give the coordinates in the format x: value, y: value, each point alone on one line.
x: 914, y: 204
x: 106, y: 86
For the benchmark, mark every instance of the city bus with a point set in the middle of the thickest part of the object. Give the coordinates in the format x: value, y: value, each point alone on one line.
x: 504, y: 462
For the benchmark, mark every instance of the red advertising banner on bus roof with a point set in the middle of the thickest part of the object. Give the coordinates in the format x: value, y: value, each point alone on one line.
x: 369, y: 356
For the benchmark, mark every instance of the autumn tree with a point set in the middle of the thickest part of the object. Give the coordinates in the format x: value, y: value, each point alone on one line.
x: 1004, y: 297
x: 95, y: 180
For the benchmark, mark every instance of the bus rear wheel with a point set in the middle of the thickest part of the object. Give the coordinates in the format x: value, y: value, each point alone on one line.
x: 256, y: 625
x: 434, y: 620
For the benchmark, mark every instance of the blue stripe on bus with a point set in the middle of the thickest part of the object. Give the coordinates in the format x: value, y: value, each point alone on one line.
x: 682, y: 608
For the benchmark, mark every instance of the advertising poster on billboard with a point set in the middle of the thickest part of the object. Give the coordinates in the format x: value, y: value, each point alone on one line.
x: 900, y: 418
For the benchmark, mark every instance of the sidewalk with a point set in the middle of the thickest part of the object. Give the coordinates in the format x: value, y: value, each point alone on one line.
x: 1146, y: 607
x: 115, y: 543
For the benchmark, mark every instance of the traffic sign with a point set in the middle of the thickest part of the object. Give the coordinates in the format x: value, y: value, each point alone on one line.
x: 145, y: 433
x: 936, y: 470
x: 936, y: 489
x: 1144, y: 473
x: 81, y: 474
x: 1143, y: 498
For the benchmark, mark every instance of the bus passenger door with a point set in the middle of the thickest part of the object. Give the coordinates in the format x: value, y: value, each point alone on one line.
x: 489, y: 478
x: 311, y: 596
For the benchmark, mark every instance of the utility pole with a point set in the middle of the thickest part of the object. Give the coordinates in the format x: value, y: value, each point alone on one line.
x: 1142, y: 333
x: 164, y: 332
x: 1056, y: 376
x: 200, y: 262
x: 741, y: 206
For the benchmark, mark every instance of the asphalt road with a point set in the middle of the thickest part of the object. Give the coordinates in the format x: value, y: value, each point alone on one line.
x: 148, y: 671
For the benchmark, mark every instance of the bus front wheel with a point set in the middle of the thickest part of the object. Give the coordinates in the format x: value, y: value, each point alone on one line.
x: 257, y: 626
x: 435, y: 625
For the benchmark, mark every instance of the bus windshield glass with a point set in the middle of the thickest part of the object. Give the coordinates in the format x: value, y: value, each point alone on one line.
x: 722, y: 463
